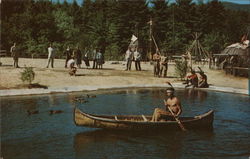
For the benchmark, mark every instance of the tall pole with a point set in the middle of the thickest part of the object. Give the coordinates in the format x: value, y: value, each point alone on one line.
x: 173, y: 31
x: 150, y: 37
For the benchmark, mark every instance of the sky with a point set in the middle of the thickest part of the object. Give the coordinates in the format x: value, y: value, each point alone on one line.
x: 233, y: 1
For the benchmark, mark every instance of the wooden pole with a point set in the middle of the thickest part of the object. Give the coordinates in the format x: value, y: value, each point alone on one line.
x: 173, y: 31
x: 150, y: 37
x: 156, y: 44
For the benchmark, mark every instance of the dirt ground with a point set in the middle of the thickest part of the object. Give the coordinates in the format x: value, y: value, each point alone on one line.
x: 111, y: 74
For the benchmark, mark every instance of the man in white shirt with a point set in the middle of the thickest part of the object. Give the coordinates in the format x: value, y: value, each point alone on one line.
x: 129, y: 58
x: 94, y: 58
x: 51, y: 56
x: 137, y: 58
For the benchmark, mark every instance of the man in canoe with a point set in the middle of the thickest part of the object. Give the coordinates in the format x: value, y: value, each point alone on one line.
x: 172, y: 104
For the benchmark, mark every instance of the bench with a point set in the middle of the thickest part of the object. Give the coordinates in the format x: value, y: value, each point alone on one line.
x: 3, y: 53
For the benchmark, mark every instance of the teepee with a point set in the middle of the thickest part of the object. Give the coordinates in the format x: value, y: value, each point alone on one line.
x: 196, y: 48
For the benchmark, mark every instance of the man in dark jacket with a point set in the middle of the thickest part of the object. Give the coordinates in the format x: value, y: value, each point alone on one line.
x: 15, y: 54
x: 68, y: 54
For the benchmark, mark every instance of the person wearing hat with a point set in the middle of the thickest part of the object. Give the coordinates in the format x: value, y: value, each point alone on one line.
x: 172, y: 103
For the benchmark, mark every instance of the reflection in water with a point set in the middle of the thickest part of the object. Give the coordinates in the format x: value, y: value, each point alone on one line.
x: 56, y: 136
x: 160, y: 143
x: 194, y: 94
x: 187, y: 94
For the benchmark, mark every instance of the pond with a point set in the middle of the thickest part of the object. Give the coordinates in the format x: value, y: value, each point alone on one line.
x: 55, y: 136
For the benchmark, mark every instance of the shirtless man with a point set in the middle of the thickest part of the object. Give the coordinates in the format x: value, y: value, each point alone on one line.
x: 173, y: 103
x: 156, y: 60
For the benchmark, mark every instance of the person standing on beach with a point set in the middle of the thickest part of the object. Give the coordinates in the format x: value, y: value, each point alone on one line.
x: 86, y: 59
x: 15, y: 54
x: 94, y: 58
x: 51, y: 56
x: 68, y: 54
x: 129, y: 58
x: 156, y: 60
x: 78, y: 56
x: 99, y: 59
x: 137, y: 57
x: 163, y: 66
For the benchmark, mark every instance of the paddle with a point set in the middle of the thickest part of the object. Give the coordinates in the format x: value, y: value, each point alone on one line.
x: 178, y: 121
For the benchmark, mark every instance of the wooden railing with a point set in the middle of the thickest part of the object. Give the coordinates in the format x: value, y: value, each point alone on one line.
x: 234, y: 70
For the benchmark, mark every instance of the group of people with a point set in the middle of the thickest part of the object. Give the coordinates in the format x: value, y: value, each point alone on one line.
x: 160, y: 65
x: 195, y: 82
x: 173, y: 107
x: 98, y: 59
x: 132, y: 54
x: 74, y: 59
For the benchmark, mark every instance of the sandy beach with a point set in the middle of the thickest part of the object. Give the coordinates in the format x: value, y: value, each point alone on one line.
x: 110, y: 75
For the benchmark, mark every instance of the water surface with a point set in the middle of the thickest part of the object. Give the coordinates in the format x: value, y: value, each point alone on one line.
x: 56, y: 136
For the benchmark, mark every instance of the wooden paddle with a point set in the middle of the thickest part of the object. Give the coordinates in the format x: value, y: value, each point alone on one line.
x: 178, y: 121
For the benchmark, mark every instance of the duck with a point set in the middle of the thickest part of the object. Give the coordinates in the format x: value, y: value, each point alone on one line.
x: 84, y: 101
x: 91, y: 96
x: 78, y: 98
x: 55, y: 112
x: 32, y: 112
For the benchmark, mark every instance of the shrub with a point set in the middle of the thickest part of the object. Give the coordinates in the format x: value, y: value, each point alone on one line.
x: 181, y: 68
x: 28, y: 75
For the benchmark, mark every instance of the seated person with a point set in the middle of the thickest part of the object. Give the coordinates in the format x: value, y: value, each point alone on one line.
x: 72, y: 68
x: 203, y: 80
x: 192, y: 80
x: 172, y: 103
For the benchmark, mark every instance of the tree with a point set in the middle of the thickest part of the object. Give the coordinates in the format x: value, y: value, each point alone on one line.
x: 28, y: 75
x: 109, y: 25
x: 215, y: 42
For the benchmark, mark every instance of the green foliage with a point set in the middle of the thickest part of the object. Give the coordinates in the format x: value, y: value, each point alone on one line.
x: 109, y: 24
x: 180, y: 68
x: 28, y: 75
x: 214, y: 42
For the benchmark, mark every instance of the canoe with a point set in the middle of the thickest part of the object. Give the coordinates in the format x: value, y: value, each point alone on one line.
x: 141, y: 122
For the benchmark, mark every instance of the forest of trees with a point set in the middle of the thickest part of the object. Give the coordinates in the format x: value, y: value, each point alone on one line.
x: 109, y: 25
